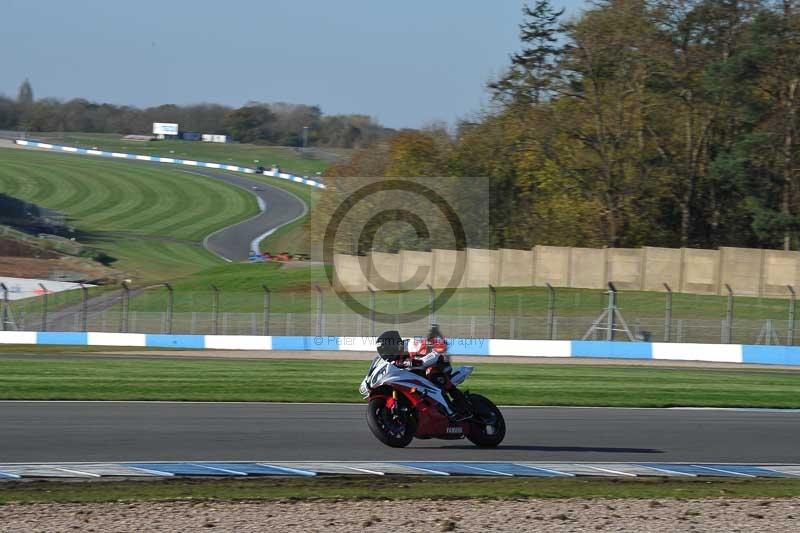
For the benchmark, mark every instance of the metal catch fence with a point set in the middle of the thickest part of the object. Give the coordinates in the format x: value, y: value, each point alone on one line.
x: 598, y: 316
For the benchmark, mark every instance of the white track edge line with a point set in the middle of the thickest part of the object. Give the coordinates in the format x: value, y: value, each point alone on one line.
x: 667, y: 471
x: 610, y: 471
x: 487, y: 470
x: 307, y: 473
x: 532, y: 466
x: 423, y: 469
x: 150, y: 471
x: 235, y: 472
x: 81, y: 472
x: 711, y: 468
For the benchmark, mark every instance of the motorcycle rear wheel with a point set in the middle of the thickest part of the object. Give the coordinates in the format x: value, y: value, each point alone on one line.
x: 396, y: 431
x: 487, y: 416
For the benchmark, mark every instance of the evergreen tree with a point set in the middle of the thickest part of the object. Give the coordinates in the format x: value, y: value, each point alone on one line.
x: 25, y: 94
x: 534, y: 68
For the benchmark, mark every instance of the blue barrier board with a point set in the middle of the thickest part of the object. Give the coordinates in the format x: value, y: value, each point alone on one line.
x: 623, y: 350
x: 62, y: 337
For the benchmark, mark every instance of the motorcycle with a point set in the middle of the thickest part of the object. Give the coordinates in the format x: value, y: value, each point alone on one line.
x: 403, y: 405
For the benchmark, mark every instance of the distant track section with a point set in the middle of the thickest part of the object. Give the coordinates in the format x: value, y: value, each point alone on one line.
x: 235, y: 242
x: 168, y: 160
x: 278, y: 208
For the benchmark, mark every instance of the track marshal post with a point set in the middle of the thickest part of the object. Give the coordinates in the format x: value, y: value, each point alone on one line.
x: 170, y: 306
x: 792, y: 307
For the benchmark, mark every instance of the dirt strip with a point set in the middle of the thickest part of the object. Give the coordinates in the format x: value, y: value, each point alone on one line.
x: 368, y: 356
x: 775, y: 515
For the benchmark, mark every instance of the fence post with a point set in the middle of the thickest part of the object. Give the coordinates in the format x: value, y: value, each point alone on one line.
x: 44, y: 307
x: 668, y: 315
x: 792, y: 304
x: 266, y: 308
x: 492, y: 312
x: 170, y: 307
x: 4, y: 306
x: 729, y: 316
x: 214, y: 310
x: 612, y: 305
x: 84, y: 307
x: 431, y: 305
x: 319, y: 310
x: 371, y: 311
x: 551, y: 309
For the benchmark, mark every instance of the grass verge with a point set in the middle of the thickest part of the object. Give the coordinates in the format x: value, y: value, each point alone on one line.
x: 289, y: 159
x: 391, y: 488
x: 109, y: 378
x: 150, y: 219
x: 242, y: 283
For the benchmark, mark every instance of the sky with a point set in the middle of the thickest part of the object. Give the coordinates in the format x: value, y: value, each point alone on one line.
x: 407, y: 64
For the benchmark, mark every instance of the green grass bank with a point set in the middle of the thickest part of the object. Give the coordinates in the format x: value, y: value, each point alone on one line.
x: 151, y: 219
x: 124, y: 378
x: 289, y: 159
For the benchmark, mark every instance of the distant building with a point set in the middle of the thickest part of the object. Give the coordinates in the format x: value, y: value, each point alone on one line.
x: 213, y: 138
x: 190, y: 136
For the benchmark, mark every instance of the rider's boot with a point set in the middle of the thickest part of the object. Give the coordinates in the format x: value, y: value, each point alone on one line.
x: 459, y: 405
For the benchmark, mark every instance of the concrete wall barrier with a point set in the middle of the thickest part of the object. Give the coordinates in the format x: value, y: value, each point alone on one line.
x: 749, y: 272
x: 717, y: 353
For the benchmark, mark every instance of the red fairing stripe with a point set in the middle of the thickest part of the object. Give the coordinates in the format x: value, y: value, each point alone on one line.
x: 415, y: 399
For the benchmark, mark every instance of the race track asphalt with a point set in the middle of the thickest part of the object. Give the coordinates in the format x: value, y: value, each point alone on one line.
x: 147, y: 431
x: 282, y: 207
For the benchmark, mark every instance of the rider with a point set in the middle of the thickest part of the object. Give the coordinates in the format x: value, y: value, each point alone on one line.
x: 430, y: 355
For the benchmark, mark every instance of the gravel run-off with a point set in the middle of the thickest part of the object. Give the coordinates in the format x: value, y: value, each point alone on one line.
x: 775, y: 515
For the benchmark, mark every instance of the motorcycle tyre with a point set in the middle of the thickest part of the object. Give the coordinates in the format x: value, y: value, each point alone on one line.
x: 375, y: 426
x: 479, y: 438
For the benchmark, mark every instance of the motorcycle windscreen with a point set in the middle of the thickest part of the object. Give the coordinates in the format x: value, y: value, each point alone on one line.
x: 460, y: 374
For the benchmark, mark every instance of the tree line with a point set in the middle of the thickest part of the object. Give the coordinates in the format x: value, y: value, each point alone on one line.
x: 639, y: 122
x: 276, y: 123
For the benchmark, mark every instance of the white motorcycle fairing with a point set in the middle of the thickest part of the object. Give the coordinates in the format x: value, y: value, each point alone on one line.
x: 460, y: 374
x: 382, y: 372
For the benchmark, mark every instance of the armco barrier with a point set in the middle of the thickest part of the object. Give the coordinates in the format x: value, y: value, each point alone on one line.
x: 718, y: 353
x: 169, y: 160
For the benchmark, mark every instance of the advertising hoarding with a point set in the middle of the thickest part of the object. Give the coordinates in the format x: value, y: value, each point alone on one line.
x: 165, y: 128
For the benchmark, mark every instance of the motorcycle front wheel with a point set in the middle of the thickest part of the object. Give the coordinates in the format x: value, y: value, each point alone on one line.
x: 488, y: 427
x: 395, y: 429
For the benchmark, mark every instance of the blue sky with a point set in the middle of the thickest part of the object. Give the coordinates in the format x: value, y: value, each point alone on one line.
x: 407, y: 63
